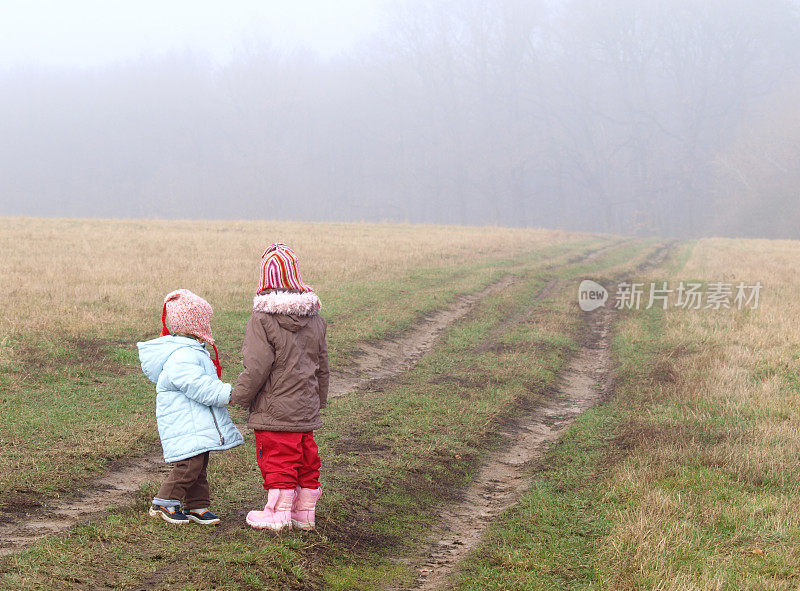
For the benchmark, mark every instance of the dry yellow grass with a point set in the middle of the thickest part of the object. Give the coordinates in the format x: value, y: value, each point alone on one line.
x: 108, y: 276
x: 713, y: 497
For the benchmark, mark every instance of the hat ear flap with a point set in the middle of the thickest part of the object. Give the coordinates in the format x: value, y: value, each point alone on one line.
x: 216, y: 361
x: 164, y: 329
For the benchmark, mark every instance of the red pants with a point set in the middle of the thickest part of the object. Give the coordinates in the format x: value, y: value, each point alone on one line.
x: 287, y: 459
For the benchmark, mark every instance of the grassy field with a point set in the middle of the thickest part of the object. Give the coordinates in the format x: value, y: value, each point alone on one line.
x: 81, y: 293
x: 686, y: 478
x: 73, y: 380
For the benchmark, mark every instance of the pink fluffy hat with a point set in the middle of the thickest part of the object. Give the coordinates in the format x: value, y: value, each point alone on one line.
x: 187, y: 313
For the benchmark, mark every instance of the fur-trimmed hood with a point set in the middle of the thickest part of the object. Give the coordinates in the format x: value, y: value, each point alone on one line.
x: 289, y: 303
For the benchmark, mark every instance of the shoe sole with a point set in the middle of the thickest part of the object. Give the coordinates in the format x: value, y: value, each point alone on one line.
x: 257, y: 525
x: 304, y: 525
x: 165, y: 517
x: 203, y: 521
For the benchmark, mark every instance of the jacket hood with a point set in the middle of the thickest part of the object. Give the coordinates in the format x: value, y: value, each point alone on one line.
x: 153, y: 354
x: 291, y: 322
x: 288, y: 303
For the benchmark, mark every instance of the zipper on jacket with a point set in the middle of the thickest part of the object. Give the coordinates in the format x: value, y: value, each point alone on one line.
x: 213, y: 416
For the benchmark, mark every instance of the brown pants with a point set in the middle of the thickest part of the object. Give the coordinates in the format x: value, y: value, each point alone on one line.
x: 188, y: 481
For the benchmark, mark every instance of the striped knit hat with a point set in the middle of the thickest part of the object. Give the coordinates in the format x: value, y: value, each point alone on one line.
x: 279, y: 270
x: 185, y: 312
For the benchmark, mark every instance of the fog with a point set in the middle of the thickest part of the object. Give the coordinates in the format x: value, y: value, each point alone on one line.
x: 668, y: 117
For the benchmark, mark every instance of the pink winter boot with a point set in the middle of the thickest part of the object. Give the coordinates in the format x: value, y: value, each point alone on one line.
x: 277, y: 513
x: 304, y: 504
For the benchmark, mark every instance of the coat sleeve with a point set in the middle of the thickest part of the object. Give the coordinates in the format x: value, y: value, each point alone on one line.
x: 258, y: 355
x: 323, y: 373
x: 187, y: 374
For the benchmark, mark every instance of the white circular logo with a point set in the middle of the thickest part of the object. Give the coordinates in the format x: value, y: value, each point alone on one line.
x: 591, y: 295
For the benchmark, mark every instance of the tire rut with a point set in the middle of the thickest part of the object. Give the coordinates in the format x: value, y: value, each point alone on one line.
x: 114, y: 489
x: 391, y: 357
x: 505, y: 475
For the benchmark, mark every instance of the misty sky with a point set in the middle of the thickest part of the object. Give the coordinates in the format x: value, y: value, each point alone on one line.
x: 669, y: 117
x: 98, y: 32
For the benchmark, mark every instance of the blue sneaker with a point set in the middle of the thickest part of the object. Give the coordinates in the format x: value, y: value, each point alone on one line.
x: 168, y: 514
x: 202, y: 516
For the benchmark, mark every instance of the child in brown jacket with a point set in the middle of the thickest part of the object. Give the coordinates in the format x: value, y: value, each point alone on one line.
x: 283, y: 385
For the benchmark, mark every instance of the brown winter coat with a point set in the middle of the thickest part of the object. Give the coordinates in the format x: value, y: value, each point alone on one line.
x: 285, y: 377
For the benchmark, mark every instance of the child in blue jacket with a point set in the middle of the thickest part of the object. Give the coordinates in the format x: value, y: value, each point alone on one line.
x: 191, y: 403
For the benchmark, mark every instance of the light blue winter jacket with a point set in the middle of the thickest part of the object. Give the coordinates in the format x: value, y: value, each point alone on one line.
x: 191, y: 402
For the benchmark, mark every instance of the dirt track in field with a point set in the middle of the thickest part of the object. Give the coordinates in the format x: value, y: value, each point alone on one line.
x: 391, y: 357
x: 378, y: 361
x: 505, y: 476
x: 112, y: 490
